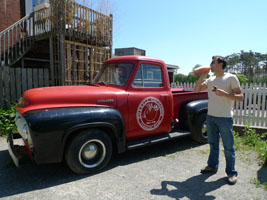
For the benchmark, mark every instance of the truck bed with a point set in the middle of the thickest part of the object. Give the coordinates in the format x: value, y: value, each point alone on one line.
x: 182, y: 97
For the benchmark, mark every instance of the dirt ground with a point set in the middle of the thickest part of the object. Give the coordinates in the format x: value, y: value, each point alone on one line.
x: 169, y: 170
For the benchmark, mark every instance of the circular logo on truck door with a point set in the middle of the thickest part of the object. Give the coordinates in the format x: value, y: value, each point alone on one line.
x: 150, y: 113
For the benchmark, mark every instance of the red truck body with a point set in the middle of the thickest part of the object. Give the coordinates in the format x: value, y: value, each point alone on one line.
x: 141, y: 107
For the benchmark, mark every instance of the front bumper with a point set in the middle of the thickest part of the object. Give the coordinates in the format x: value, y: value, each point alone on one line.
x: 16, y: 151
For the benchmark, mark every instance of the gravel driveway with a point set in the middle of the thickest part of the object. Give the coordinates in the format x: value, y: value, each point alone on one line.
x: 164, y: 171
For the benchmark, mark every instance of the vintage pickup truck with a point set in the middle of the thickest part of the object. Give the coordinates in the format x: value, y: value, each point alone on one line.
x: 128, y: 105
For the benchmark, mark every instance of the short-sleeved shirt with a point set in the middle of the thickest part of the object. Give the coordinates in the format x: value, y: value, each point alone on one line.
x: 220, y: 106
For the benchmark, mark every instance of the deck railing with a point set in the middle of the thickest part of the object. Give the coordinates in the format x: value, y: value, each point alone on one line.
x: 15, y: 40
x: 82, y: 23
x: 87, y: 24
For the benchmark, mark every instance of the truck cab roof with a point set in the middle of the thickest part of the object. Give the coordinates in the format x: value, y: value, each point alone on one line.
x: 134, y: 58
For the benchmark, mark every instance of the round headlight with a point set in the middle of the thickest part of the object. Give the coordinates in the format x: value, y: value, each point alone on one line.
x: 22, y: 102
x: 25, y: 132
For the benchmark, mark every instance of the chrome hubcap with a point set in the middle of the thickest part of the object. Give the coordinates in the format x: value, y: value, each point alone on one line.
x: 89, y: 151
x: 204, y: 130
x: 92, y: 153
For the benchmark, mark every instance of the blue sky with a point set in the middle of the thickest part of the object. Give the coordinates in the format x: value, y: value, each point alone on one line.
x: 190, y: 32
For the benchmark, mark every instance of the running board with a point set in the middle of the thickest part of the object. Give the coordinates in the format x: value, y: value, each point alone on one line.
x: 133, y: 144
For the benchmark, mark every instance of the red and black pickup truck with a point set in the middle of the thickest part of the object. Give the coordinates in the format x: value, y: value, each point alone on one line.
x: 128, y: 105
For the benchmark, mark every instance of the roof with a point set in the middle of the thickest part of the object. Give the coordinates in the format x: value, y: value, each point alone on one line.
x: 134, y: 58
x: 130, y: 48
x: 172, y: 66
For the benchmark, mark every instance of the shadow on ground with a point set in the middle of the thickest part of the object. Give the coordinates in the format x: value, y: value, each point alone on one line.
x: 194, y: 188
x: 31, y: 177
x: 262, y: 175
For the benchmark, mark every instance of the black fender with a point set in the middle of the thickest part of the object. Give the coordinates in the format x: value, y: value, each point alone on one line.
x: 51, y: 128
x: 194, y: 108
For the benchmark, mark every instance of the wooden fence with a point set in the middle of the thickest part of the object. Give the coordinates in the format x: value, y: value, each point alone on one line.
x: 17, y: 80
x: 252, y: 111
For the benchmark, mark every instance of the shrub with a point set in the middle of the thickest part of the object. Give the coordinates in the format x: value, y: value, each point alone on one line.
x: 7, y: 120
x: 254, y: 141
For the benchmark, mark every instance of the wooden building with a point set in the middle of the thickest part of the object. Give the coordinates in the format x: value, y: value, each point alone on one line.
x: 59, y: 43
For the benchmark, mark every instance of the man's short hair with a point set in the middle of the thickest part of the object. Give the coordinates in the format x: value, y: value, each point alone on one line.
x: 220, y: 59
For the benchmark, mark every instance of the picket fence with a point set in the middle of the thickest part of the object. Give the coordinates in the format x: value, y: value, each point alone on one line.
x: 252, y: 111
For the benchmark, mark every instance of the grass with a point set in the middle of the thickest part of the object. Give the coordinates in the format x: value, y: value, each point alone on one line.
x: 252, y: 141
x: 258, y: 183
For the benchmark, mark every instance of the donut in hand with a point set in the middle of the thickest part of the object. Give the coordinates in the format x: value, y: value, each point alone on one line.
x: 214, y: 88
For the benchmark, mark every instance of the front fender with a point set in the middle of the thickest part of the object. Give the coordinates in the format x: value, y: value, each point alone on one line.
x: 194, y: 108
x: 50, y: 128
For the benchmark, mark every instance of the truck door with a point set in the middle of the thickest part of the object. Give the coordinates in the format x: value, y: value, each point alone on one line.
x: 149, y: 102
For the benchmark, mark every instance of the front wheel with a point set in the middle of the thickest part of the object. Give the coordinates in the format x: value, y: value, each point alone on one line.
x: 89, y: 151
x: 199, y: 129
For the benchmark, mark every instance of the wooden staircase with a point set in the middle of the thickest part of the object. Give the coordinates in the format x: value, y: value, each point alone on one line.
x: 16, y: 40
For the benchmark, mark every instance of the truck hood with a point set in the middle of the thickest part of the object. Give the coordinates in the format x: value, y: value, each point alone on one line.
x: 68, y: 96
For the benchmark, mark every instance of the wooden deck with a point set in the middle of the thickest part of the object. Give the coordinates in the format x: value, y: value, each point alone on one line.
x: 60, y: 44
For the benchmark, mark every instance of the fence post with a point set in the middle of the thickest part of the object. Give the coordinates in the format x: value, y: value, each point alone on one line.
x: 263, y: 106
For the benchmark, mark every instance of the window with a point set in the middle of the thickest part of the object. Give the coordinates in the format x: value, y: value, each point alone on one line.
x: 114, y: 74
x: 148, y: 76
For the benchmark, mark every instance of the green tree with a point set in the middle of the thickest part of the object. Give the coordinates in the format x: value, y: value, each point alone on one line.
x: 252, y: 64
x: 180, y: 78
x: 242, y: 78
x: 191, y: 78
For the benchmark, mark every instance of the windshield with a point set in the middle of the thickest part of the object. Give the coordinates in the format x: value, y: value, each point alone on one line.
x: 114, y: 74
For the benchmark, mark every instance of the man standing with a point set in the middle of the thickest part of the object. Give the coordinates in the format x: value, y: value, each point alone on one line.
x: 223, y: 89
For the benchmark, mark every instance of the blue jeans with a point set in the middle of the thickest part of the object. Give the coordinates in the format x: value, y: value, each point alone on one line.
x: 216, y: 127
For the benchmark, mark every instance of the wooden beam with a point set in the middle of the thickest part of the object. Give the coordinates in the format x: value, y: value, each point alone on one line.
x: 74, y: 64
x: 62, y: 58
x: 68, y: 63
x: 6, y: 86
x: 23, y: 76
x: 35, y: 78
x: 82, y: 44
x: 12, y: 85
x: 51, y: 68
x: 29, y: 78
x: 18, y: 82
x: 46, y: 77
x: 36, y: 59
x: 41, y: 77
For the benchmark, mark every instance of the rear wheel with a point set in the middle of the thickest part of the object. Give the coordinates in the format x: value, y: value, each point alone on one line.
x: 89, y: 151
x: 199, y: 129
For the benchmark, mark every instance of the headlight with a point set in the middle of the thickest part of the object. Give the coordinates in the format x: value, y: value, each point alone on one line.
x: 22, y: 102
x: 25, y: 132
x: 26, y: 135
